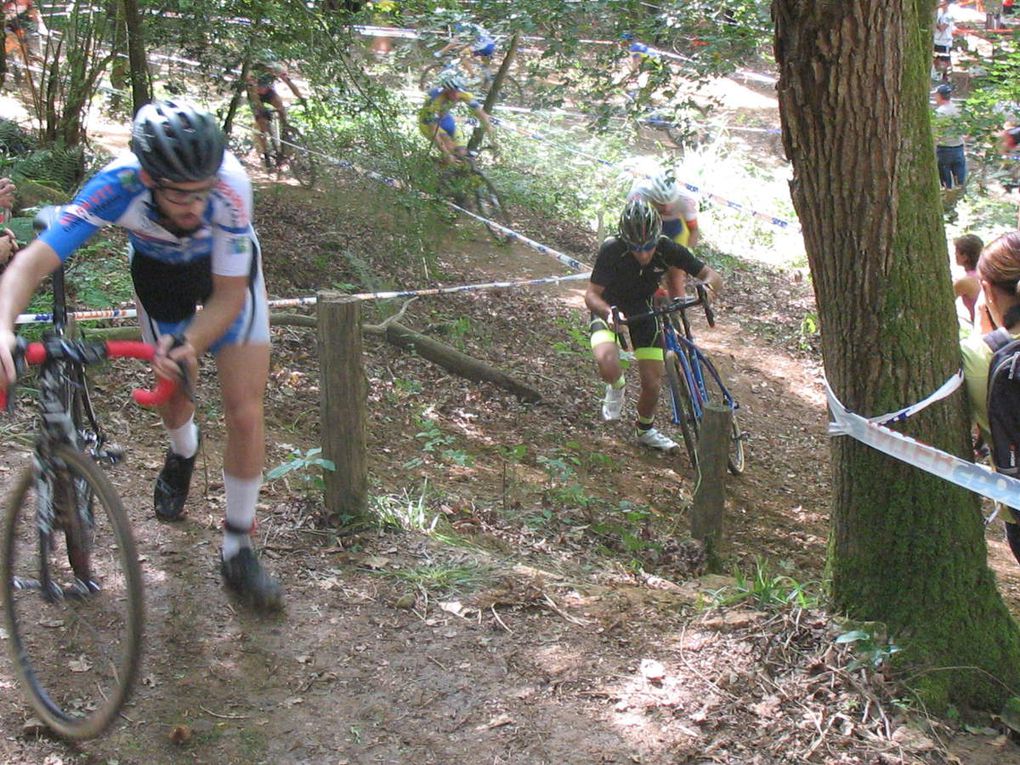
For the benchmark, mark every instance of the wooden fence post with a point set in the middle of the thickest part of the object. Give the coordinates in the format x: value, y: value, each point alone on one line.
x: 343, y: 394
x: 710, y: 496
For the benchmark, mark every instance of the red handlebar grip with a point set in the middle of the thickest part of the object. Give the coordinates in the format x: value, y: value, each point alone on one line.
x: 159, y: 395
x: 35, y: 353
x: 131, y: 349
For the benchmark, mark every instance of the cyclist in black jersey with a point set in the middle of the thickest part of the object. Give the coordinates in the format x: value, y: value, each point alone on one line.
x: 262, y: 95
x: 628, y: 270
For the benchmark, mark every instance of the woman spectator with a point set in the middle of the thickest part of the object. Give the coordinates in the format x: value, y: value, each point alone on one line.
x: 999, y: 272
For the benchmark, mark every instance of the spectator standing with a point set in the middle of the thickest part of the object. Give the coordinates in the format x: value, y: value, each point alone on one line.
x: 948, y: 140
x: 967, y: 250
x: 943, y: 38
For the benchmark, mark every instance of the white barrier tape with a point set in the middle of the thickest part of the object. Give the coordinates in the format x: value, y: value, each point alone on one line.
x: 976, y: 478
x: 293, y: 302
x: 129, y: 313
x: 948, y: 387
x: 395, y: 183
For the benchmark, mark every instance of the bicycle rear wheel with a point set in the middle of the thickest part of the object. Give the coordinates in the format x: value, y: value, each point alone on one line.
x: 683, y: 410
x: 714, y: 394
x: 72, y: 595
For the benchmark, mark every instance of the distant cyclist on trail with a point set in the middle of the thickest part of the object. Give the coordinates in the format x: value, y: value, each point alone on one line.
x: 473, y: 41
x: 262, y: 95
x: 628, y: 270
x: 437, y: 124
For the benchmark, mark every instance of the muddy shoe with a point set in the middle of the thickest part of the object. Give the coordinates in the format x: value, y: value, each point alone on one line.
x: 172, y: 486
x: 245, y: 577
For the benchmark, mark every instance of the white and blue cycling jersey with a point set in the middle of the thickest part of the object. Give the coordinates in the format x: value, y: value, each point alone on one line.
x: 117, y: 196
x: 171, y: 273
x: 483, y: 43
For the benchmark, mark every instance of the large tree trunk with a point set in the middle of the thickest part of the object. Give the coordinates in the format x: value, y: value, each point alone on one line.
x: 906, y: 548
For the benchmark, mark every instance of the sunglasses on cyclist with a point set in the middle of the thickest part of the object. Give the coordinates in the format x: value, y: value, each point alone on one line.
x: 178, y: 196
x: 646, y: 247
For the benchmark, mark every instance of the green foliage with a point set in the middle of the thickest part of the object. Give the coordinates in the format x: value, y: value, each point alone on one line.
x: 307, y: 465
x: 873, y: 649
x: 437, y: 443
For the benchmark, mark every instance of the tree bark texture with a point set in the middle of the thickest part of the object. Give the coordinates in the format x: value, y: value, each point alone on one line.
x: 139, y: 71
x: 906, y: 548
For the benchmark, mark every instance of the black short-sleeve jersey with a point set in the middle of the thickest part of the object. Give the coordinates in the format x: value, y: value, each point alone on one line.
x: 627, y: 282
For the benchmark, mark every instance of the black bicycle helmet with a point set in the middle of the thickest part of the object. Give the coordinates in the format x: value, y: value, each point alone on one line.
x: 639, y: 224
x: 174, y: 141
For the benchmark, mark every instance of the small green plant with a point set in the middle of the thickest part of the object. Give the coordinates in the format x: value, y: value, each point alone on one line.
x: 808, y: 330
x: 308, y: 465
x: 404, y: 511
x: 578, y: 343
x: 440, y: 578
x: 432, y: 436
x: 765, y: 589
x: 873, y: 650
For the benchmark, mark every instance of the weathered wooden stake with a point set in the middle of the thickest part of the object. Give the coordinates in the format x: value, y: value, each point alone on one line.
x: 710, y: 496
x: 343, y: 398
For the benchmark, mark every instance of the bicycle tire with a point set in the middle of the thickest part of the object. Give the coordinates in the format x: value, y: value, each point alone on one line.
x: 489, y: 205
x: 300, y: 161
x: 52, y: 619
x: 683, y: 410
x: 735, y: 458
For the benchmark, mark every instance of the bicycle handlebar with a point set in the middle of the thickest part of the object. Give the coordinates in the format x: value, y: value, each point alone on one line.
x: 674, y: 305
x: 90, y: 353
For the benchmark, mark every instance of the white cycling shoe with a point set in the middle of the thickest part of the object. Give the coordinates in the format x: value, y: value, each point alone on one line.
x: 653, y: 439
x: 612, y: 404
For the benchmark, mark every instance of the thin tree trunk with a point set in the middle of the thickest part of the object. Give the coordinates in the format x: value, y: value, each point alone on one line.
x: 141, y: 92
x: 906, y: 549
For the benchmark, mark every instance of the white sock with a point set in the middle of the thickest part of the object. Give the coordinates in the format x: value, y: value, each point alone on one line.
x: 242, y: 494
x: 184, y: 440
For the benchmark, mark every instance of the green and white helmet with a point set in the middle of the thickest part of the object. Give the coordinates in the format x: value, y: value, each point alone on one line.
x: 450, y: 79
x: 640, y: 224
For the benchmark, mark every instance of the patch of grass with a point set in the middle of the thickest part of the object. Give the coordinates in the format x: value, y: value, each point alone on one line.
x: 441, y: 578
x: 765, y: 589
x: 405, y: 511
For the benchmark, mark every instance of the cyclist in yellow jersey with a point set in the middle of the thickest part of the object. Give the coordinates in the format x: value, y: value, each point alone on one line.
x: 437, y: 124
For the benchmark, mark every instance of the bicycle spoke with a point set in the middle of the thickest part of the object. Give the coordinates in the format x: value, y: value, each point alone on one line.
x: 72, y: 596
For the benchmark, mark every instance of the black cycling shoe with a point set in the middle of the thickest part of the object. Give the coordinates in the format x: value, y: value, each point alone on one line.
x: 256, y: 587
x: 172, y: 486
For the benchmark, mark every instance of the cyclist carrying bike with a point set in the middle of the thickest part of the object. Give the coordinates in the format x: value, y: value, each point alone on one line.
x: 262, y: 95
x: 186, y: 205
x: 628, y: 270
x: 437, y: 124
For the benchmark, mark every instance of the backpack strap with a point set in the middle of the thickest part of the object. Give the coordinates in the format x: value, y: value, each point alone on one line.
x: 998, y: 338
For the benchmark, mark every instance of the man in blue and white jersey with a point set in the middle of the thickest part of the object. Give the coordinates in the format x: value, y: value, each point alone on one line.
x: 186, y: 205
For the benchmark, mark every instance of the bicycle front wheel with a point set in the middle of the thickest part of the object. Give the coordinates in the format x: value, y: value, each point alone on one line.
x: 489, y: 205
x: 714, y: 394
x: 682, y: 405
x: 301, y: 162
x: 72, y: 594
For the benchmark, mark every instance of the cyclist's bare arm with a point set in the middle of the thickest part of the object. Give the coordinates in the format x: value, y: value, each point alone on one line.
x: 711, y: 279
x: 290, y: 84
x: 596, y: 303
x: 20, y: 280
